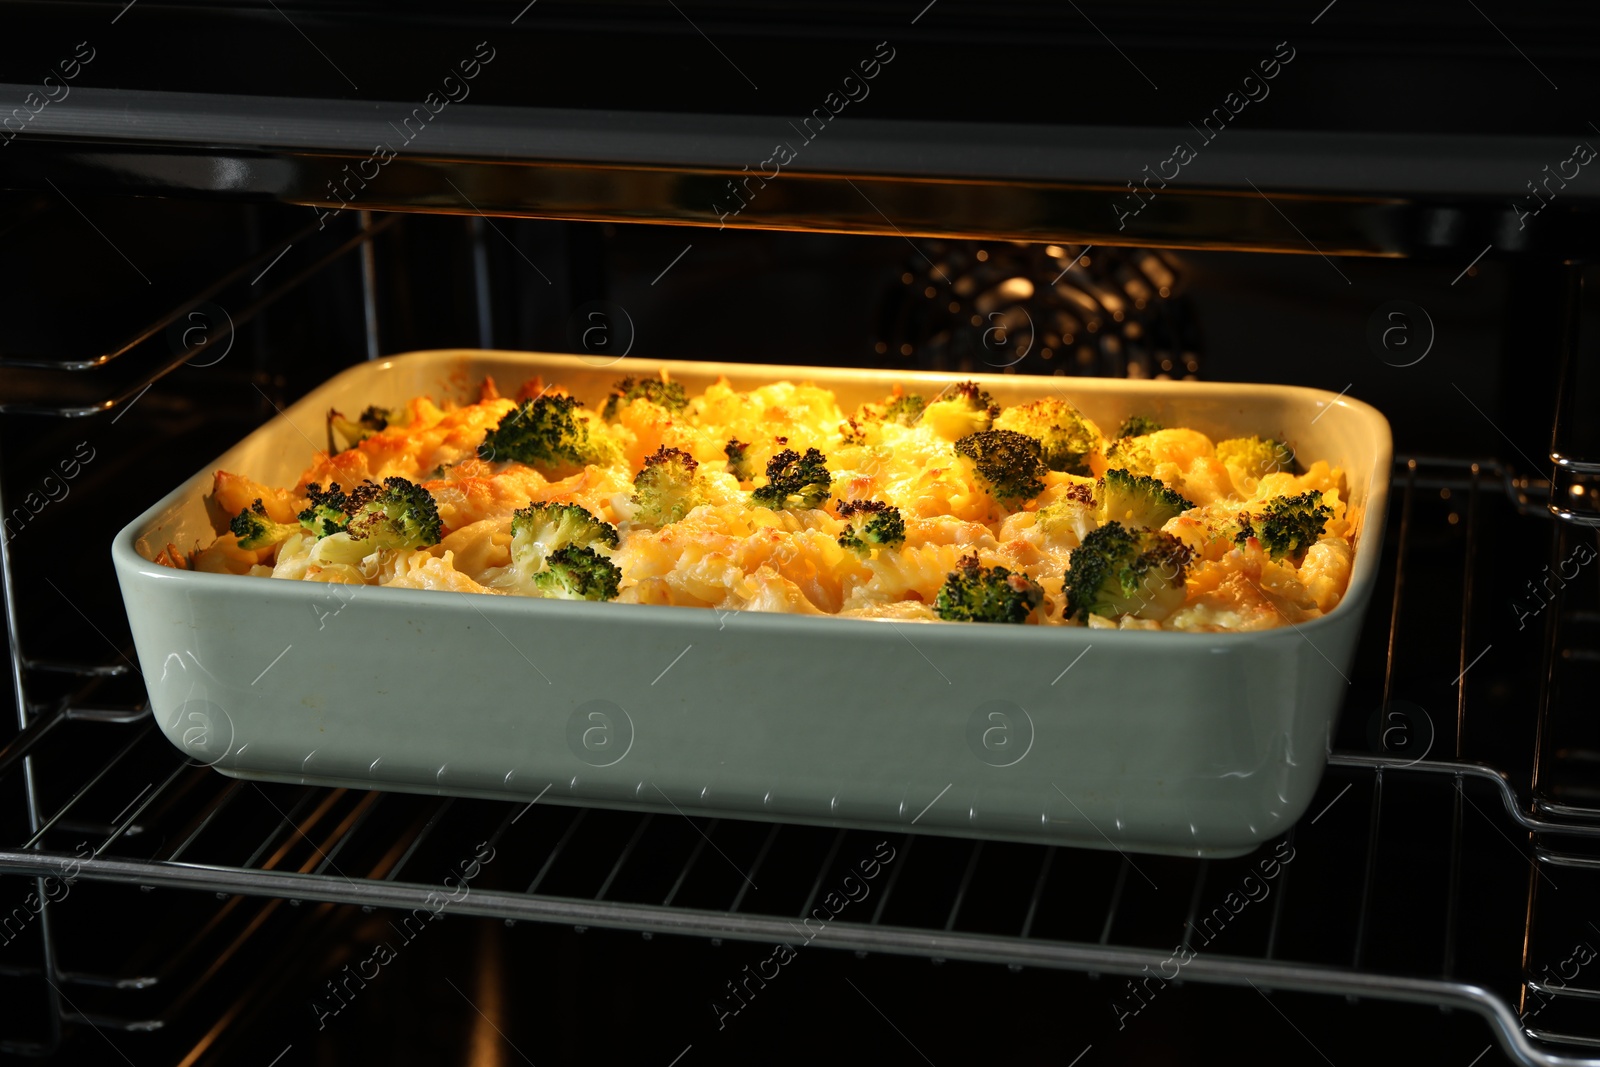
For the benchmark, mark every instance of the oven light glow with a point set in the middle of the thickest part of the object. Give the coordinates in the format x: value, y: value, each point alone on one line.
x: 1018, y: 288
x: 1576, y: 490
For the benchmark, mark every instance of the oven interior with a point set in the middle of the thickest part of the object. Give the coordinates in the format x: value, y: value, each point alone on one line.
x: 1419, y: 859
x: 1441, y: 888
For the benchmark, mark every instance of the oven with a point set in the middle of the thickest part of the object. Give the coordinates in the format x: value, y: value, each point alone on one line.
x: 209, y: 208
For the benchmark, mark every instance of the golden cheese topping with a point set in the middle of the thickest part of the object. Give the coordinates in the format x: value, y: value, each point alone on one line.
x: 730, y: 553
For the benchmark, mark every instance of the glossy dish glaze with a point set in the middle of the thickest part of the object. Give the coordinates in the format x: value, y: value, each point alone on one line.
x: 1181, y: 743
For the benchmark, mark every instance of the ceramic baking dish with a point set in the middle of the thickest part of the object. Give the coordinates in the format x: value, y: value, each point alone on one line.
x: 1179, y: 743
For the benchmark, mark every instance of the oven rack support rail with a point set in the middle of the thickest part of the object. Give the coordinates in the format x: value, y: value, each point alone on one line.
x: 366, y: 228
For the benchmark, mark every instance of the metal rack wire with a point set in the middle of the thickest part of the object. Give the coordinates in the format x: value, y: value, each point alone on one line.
x: 655, y: 874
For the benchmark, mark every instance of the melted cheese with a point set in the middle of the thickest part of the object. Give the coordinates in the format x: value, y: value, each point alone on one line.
x: 731, y: 556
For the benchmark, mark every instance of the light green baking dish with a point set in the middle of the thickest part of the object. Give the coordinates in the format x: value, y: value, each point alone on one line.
x: 1177, y: 743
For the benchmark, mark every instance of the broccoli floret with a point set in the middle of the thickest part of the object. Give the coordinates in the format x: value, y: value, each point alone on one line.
x: 1011, y: 463
x: 576, y: 573
x: 1289, y: 525
x: 551, y: 432
x: 396, y: 514
x: 965, y: 409
x: 669, y: 395
x: 1137, y: 426
x: 539, y: 530
x: 1131, y: 454
x: 905, y: 409
x: 1065, y: 436
x: 1138, y: 500
x: 795, y: 481
x: 738, y: 453
x: 666, y: 488
x: 254, y: 529
x: 872, y: 524
x: 1118, y: 571
x: 1257, y: 456
x: 371, y: 421
x: 975, y: 396
x: 974, y: 593
x: 1129, y: 450
x: 329, y: 512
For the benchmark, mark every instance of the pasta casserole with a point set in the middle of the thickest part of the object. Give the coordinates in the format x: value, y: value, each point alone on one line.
x: 914, y: 508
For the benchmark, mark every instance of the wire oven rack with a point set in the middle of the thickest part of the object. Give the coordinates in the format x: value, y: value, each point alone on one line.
x: 1511, y: 846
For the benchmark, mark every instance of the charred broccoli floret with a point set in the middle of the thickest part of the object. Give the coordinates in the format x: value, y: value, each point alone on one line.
x: 1011, y: 463
x: 1065, y: 437
x: 738, y: 453
x: 974, y: 593
x: 1118, y: 571
x: 873, y: 524
x: 254, y: 529
x: 550, y: 432
x: 1289, y: 525
x: 964, y: 409
x: 666, y: 487
x: 669, y: 395
x: 329, y: 511
x: 396, y: 514
x: 576, y: 573
x: 1257, y: 456
x: 795, y: 481
x: 1138, y: 500
x: 1137, y: 426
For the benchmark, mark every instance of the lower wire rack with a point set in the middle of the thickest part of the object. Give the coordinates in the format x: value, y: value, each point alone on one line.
x: 1419, y: 874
